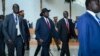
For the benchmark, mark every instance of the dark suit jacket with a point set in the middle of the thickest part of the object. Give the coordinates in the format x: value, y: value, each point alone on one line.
x: 64, y: 34
x: 43, y: 32
x: 27, y: 33
x: 72, y: 27
x: 9, y: 28
x: 89, y: 35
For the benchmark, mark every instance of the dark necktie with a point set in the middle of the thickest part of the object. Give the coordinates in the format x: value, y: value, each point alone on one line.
x: 16, y: 20
x: 67, y: 25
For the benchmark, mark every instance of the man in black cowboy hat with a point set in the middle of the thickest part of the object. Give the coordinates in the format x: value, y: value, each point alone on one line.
x: 45, y: 30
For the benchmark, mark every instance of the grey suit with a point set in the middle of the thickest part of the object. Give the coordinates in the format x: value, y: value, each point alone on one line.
x: 10, y: 33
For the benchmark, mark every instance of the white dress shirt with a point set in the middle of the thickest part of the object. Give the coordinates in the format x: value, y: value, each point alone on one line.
x: 67, y: 23
x: 17, y: 24
x: 47, y: 20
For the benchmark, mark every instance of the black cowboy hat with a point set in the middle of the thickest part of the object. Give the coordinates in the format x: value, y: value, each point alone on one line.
x: 43, y: 11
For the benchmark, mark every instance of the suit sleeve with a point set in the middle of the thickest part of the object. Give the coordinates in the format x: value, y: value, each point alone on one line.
x: 2, y: 30
x: 37, y: 30
x: 5, y: 26
x: 83, y: 36
x: 27, y: 29
x: 23, y: 32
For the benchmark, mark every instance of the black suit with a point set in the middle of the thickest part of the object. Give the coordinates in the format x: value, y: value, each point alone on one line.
x: 2, y: 43
x: 10, y: 33
x: 72, y: 27
x: 65, y: 34
x: 38, y: 48
x: 27, y: 33
x: 56, y: 41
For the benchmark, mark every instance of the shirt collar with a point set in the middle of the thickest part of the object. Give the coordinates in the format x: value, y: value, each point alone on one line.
x: 92, y: 13
x: 14, y: 15
x: 65, y: 19
x: 46, y: 19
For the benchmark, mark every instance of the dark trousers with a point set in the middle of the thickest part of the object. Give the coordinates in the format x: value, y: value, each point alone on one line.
x: 37, y: 49
x: 45, y: 49
x: 2, y: 48
x: 27, y: 45
x: 17, y: 45
x: 23, y: 50
x: 57, y: 44
x: 65, y: 49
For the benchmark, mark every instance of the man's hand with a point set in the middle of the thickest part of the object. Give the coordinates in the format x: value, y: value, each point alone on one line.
x: 40, y: 41
x: 59, y: 41
x: 10, y: 41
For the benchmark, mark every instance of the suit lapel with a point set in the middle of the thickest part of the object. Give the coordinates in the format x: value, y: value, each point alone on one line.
x: 13, y: 20
x: 45, y: 22
x: 50, y: 22
x: 69, y: 23
x: 13, y: 24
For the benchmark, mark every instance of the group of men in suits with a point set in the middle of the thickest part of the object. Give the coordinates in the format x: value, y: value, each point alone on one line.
x: 14, y: 33
x: 45, y: 30
x: 88, y: 27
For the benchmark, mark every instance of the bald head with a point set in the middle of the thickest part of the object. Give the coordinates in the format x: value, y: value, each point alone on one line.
x: 65, y: 14
x: 15, y: 8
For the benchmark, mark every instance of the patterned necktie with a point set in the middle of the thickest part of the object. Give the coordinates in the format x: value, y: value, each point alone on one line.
x: 48, y: 23
x: 67, y: 25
